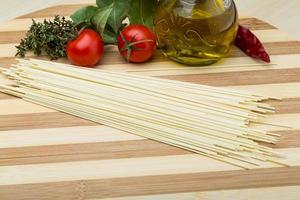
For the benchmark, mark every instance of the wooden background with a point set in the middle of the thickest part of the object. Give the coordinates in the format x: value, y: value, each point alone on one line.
x: 284, y: 14
x: 49, y: 155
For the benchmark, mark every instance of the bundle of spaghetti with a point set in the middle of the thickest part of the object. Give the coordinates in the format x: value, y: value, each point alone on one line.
x: 210, y: 121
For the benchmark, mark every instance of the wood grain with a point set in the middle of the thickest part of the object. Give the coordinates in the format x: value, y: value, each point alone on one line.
x: 107, y: 188
x: 242, y: 78
x: 266, y: 193
x: 65, y: 10
x: 11, y: 36
x: 109, y: 150
x: 88, y: 151
x: 40, y: 120
x: 49, y: 155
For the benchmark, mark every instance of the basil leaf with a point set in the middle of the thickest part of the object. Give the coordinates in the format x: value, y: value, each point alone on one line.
x: 109, y: 37
x: 100, y: 18
x: 84, y: 14
x: 119, y: 12
x: 142, y: 11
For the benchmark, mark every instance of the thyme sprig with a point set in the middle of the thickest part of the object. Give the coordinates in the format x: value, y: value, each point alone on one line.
x: 49, y: 36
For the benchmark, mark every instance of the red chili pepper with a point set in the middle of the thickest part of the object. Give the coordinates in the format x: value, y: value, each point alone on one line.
x: 250, y: 44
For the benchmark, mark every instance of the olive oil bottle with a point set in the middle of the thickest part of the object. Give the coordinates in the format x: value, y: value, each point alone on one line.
x: 196, y: 32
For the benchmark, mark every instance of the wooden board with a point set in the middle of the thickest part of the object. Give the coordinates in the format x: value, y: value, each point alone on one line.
x: 48, y: 155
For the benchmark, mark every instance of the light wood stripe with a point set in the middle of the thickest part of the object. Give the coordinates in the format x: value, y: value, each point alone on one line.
x: 275, y: 49
x: 90, y: 134
x: 274, y: 37
x: 270, y: 193
x: 8, y: 50
x: 37, y: 119
x: 107, y: 150
x: 59, y: 136
x: 151, y: 185
x: 240, y: 64
x: 107, y: 169
x: 19, y: 24
x: 283, y: 90
x: 168, y: 68
x: 250, y: 77
x: 289, y: 120
x: 17, y: 106
x: 64, y: 10
x: 125, y: 168
x: 225, y: 79
x: 267, y: 36
x: 4, y: 80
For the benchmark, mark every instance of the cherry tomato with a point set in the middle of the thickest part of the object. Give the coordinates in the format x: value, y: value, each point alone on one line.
x: 87, y: 49
x: 136, y: 43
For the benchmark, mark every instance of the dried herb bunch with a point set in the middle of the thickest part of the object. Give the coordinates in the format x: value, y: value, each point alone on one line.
x: 50, y: 37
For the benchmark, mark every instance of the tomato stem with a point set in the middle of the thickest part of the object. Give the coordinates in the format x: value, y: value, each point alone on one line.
x: 130, y: 45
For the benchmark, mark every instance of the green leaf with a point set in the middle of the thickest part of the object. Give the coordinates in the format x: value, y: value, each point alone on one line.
x: 84, y: 14
x: 100, y: 18
x: 142, y: 11
x: 119, y: 12
x: 109, y: 37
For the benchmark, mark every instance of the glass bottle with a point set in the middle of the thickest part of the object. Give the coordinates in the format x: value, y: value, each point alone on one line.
x: 196, y: 32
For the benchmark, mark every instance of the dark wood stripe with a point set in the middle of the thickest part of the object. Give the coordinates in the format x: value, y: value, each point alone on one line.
x: 273, y: 48
x: 255, y: 24
x: 5, y: 96
x: 242, y: 78
x: 109, y: 150
x: 289, y: 139
x: 286, y: 106
x: 9, y: 37
x: 88, y: 151
x: 151, y: 185
x: 41, y: 120
x: 283, y: 47
x: 7, y: 61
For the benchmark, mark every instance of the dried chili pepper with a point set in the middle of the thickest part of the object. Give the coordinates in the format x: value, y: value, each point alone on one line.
x: 250, y: 44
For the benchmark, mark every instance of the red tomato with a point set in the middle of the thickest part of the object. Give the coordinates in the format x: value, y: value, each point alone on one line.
x: 137, y: 43
x: 87, y: 49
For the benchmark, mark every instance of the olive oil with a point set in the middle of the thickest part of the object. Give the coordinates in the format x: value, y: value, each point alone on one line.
x: 196, y: 32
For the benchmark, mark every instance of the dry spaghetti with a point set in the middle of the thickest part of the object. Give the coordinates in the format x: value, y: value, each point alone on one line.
x: 210, y: 121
